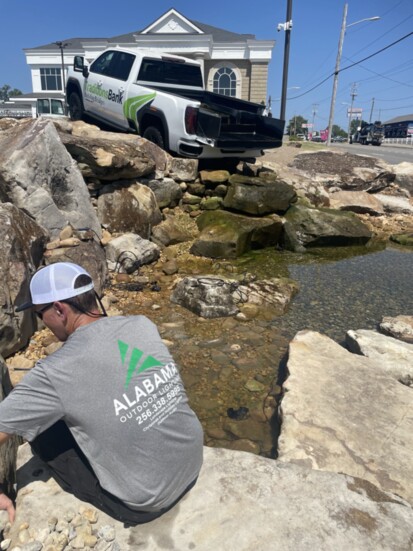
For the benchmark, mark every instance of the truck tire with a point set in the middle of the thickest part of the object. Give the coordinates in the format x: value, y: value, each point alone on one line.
x: 154, y: 135
x: 75, y: 107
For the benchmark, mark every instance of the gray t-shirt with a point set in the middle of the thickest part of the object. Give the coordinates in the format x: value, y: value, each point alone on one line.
x: 116, y: 386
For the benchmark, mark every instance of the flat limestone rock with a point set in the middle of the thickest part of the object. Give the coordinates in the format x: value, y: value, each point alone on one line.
x: 390, y: 354
x: 241, y: 502
x: 342, y: 413
x: 400, y: 327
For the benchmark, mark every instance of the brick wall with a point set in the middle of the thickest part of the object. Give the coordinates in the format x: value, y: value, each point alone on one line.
x: 258, y: 82
x: 253, y: 78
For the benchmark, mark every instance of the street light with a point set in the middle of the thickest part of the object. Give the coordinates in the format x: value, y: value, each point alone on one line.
x: 290, y: 88
x: 337, y: 69
x: 62, y: 46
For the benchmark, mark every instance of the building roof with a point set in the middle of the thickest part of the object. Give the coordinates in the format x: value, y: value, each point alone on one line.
x: 195, y: 29
x: 403, y: 118
x: 32, y: 96
x: 73, y: 43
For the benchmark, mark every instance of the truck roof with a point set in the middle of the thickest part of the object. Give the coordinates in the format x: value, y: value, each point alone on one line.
x: 156, y: 54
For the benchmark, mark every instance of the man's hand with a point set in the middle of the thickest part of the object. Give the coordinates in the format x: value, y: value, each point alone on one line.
x: 6, y: 504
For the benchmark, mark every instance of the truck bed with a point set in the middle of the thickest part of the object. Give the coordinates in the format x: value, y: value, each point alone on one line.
x: 232, y: 122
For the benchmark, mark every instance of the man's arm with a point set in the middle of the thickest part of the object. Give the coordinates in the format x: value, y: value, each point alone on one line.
x: 6, y: 503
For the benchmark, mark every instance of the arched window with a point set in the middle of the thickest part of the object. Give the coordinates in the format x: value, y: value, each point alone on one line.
x: 225, y: 82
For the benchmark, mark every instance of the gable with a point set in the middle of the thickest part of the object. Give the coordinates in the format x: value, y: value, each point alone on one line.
x: 172, y: 22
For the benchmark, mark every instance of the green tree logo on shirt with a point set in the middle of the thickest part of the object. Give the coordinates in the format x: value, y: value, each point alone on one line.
x: 134, y: 359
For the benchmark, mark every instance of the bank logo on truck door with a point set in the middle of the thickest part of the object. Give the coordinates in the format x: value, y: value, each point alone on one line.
x: 132, y: 105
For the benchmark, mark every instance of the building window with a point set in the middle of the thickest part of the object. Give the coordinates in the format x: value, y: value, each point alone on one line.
x: 51, y: 79
x: 225, y: 82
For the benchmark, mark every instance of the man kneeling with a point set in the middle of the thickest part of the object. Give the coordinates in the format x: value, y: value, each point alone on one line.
x: 108, y: 411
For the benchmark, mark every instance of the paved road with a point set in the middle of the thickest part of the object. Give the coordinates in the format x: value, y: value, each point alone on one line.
x: 392, y: 154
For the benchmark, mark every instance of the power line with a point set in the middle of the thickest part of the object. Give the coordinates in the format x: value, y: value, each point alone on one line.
x: 352, y: 65
x: 396, y: 108
x: 376, y: 53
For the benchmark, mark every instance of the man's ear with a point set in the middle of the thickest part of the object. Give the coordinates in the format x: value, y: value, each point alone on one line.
x: 59, y: 309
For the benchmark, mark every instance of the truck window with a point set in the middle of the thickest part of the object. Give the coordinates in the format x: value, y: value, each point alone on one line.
x: 170, y: 72
x: 121, y: 65
x: 102, y: 63
x: 113, y: 64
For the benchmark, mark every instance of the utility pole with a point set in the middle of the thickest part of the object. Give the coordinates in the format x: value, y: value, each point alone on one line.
x: 287, y: 26
x: 344, y: 26
x: 353, y: 95
x: 371, y: 111
x: 315, y: 105
x: 336, y: 71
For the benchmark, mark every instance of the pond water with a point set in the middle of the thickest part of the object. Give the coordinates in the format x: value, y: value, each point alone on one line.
x: 342, y: 289
x: 228, y: 365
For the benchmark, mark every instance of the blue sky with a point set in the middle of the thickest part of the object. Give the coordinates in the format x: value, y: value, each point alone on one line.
x: 386, y: 77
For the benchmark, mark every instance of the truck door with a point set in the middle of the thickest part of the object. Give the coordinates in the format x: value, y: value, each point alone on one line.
x: 105, y: 92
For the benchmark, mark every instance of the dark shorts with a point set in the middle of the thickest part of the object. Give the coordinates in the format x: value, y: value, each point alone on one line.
x: 72, y: 471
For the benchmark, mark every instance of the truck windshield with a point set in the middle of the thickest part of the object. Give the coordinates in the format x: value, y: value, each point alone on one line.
x: 170, y: 72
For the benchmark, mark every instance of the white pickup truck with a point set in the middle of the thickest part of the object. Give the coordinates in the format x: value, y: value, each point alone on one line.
x: 161, y: 97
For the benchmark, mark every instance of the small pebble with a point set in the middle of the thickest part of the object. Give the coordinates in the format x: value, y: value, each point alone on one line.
x: 107, y: 532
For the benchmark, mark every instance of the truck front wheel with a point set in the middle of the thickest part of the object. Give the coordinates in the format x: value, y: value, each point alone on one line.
x: 154, y: 135
x: 75, y: 107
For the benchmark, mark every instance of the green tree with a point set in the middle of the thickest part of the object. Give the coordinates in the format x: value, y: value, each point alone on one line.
x: 294, y: 126
x: 356, y: 124
x: 6, y: 92
x: 338, y: 131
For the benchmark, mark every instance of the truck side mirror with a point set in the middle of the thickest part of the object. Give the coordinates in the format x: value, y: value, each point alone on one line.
x: 79, y: 65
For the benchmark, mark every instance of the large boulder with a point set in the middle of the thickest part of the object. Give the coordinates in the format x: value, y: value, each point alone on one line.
x: 170, y: 232
x: 395, y: 205
x: 22, y: 243
x: 167, y: 192
x: 392, y: 355
x: 128, y: 252
x: 405, y: 239
x: 227, y: 235
x: 345, y: 170
x: 106, y: 156
x: 356, y: 201
x: 304, y: 184
x: 126, y: 207
x: 207, y: 296
x: 211, y: 296
x: 342, y: 412
x: 258, y: 196
x: 241, y: 502
x: 404, y: 176
x: 38, y: 175
x: 183, y: 170
x: 309, y: 227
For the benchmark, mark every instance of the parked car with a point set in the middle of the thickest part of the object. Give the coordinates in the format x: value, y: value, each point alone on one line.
x: 301, y: 137
x: 317, y: 139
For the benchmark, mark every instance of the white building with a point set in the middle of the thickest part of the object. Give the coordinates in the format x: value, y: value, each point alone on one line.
x: 233, y: 64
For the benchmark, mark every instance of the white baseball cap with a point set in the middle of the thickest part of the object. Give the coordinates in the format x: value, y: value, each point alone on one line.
x: 55, y: 282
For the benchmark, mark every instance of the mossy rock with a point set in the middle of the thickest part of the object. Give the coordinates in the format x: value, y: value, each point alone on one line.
x: 405, y: 239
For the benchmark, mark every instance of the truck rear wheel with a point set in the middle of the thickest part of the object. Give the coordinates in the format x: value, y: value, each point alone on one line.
x: 154, y: 135
x: 75, y: 107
